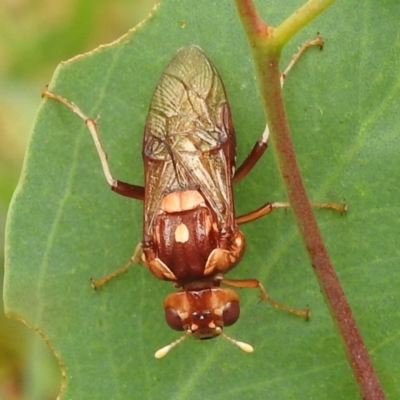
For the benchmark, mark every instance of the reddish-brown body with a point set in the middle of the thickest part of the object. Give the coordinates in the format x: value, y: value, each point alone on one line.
x: 190, y: 233
x: 187, y: 245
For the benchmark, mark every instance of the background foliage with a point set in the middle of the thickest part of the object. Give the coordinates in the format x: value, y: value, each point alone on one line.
x: 34, y: 37
x: 66, y: 225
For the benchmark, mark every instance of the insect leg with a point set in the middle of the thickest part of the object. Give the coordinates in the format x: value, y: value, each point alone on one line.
x: 264, y: 296
x: 269, y: 207
x: 122, y: 188
x: 252, y: 159
x: 260, y: 212
x: 135, y: 259
x: 318, y: 41
x: 262, y: 143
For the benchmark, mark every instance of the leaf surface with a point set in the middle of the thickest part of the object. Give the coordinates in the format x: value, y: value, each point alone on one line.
x: 66, y: 226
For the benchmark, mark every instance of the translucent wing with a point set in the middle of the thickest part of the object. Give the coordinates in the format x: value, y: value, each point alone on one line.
x: 189, y: 141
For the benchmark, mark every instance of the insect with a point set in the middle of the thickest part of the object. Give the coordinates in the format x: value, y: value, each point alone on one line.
x: 191, y: 236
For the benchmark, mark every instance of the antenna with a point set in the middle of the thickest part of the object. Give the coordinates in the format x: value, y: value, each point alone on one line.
x: 163, y: 351
x: 242, y: 346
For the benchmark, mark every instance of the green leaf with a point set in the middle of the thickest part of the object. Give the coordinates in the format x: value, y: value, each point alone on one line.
x: 66, y: 226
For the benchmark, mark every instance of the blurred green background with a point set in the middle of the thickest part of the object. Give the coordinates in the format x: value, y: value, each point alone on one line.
x: 35, y: 35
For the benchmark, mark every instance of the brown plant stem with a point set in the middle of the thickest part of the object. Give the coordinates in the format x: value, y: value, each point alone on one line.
x: 266, y: 44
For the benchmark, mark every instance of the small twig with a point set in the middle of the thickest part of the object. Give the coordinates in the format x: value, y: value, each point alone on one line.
x: 301, y: 17
x: 266, y: 50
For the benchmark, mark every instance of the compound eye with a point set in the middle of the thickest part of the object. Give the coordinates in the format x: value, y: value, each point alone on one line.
x: 231, y: 313
x: 173, y: 319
